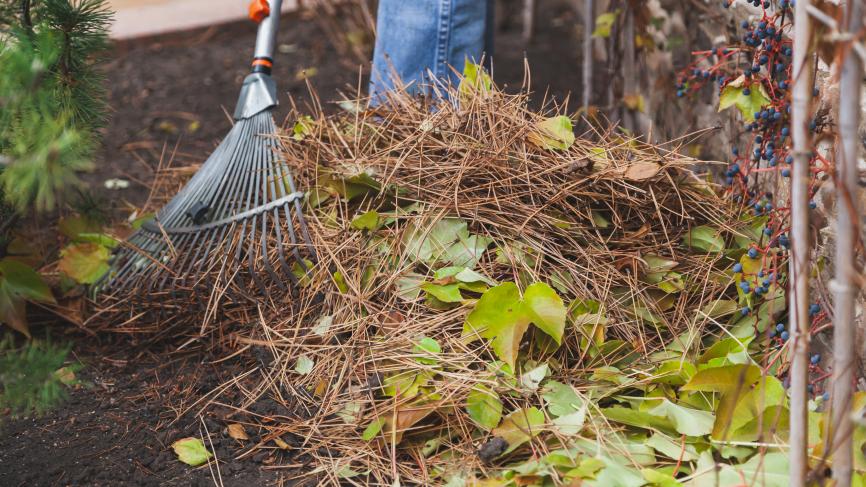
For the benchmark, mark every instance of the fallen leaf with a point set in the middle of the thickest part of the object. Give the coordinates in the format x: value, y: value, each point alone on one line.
x: 85, y: 263
x: 237, y: 431
x: 191, y: 451
x: 641, y: 170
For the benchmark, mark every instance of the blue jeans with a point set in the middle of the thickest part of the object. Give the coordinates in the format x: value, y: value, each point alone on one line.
x: 420, y: 41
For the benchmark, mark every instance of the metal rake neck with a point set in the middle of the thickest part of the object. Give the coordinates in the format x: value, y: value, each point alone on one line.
x: 259, y: 92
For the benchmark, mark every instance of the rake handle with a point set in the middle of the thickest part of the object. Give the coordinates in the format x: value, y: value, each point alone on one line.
x: 267, y: 13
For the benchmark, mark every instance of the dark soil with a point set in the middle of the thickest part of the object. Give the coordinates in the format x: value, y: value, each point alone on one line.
x: 170, y: 97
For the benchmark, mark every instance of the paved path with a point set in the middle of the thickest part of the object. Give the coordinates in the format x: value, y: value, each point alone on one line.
x: 136, y: 18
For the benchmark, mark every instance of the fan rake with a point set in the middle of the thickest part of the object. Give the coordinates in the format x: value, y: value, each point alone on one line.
x: 239, y: 215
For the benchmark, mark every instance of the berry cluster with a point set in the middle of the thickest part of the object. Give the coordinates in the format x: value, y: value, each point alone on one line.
x: 754, y: 74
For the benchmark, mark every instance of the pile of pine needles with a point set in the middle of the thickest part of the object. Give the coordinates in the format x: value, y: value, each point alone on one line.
x: 403, y: 196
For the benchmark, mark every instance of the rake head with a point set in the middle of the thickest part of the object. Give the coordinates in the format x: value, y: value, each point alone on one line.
x: 238, y: 221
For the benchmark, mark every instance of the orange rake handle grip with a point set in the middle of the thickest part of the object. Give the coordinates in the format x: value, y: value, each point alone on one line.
x: 259, y: 10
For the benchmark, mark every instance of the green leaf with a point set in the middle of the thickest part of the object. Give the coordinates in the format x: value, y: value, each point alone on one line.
x: 705, y: 239
x: 304, y: 365
x: 545, y: 310
x: 73, y: 226
x: 12, y: 309
x: 724, y: 379
x: 674, y: 372
x: 408, y: 286
x: 719, y: 308
x: 567, y: 408
x: 99, y: 238
x: 24, y: 281
x: 428, y: 348
x: 503, y: 317
x: 733, y: 94
x: 638, y: 419
x: 519, y: 427
x: 373, y: 429
x: 484, y: 407
x: 499, y: 316
x: 340, y: 281
x: 449, y: 293
x: 599, y: 220
x: 191, y: 451
x: 475, y: 80
x: 302, y: 127
x: 428, y: 243
x: 555, y: 133
x: 660, y: 479
x: 323, y: 325
x: 672, y: 449
x: 85, y: 263
x: 531, y: 379
x: 769, y: 470
x: 604, y: 24
x: 467, y: 251
x: 368, y: 221
x: 687, y: 421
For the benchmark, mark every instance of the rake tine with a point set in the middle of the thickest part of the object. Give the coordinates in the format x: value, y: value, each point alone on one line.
x: 226, y: 220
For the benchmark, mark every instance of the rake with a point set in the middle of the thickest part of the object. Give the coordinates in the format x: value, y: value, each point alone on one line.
x: 239, y: 215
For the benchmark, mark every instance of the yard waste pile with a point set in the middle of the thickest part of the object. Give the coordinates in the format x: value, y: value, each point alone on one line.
x: 498, y: 302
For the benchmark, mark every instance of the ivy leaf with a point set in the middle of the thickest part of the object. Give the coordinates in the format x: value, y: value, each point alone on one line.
x: 723, y: 379
x: 85, y: 263
x: 672, y: 449
x: 530, y: 379
x: 568, y: 409
x: 191, y: 451
x: 545, y: 310
x: 12, y: 310
x: 768, y: 470
x: 503, y: 317
x: 428, y: 348
x: 24, y: 281
x: 734, y: 94
x: 467, y: 251
x: 732, y: 381
x: 368, y: 221
x: 499, y: 316
x: 427, y: 243
x: 484, y: 407
x: 519, y: 427
x: 555, y: 133
x: 658, y: 478
x: 705, y: 239
x: 720, y: 307
x: 449, y: 293
x: 687, y: 421
x: 638, y: 419
x: 373, y: 429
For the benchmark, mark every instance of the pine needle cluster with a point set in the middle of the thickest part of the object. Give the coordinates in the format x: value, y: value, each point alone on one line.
x: 52, y: 98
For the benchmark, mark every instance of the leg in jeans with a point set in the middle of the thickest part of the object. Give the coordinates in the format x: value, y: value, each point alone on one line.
x: 417, y: 38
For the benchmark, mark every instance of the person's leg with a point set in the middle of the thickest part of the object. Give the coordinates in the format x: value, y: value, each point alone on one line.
x: 414, y: 36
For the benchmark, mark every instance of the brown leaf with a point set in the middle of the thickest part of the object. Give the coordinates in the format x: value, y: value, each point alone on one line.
x: 237, y: 431
x: 65, y: 375
x: 12, y: 312
x: 407, y: 416
x: 641, y: 170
